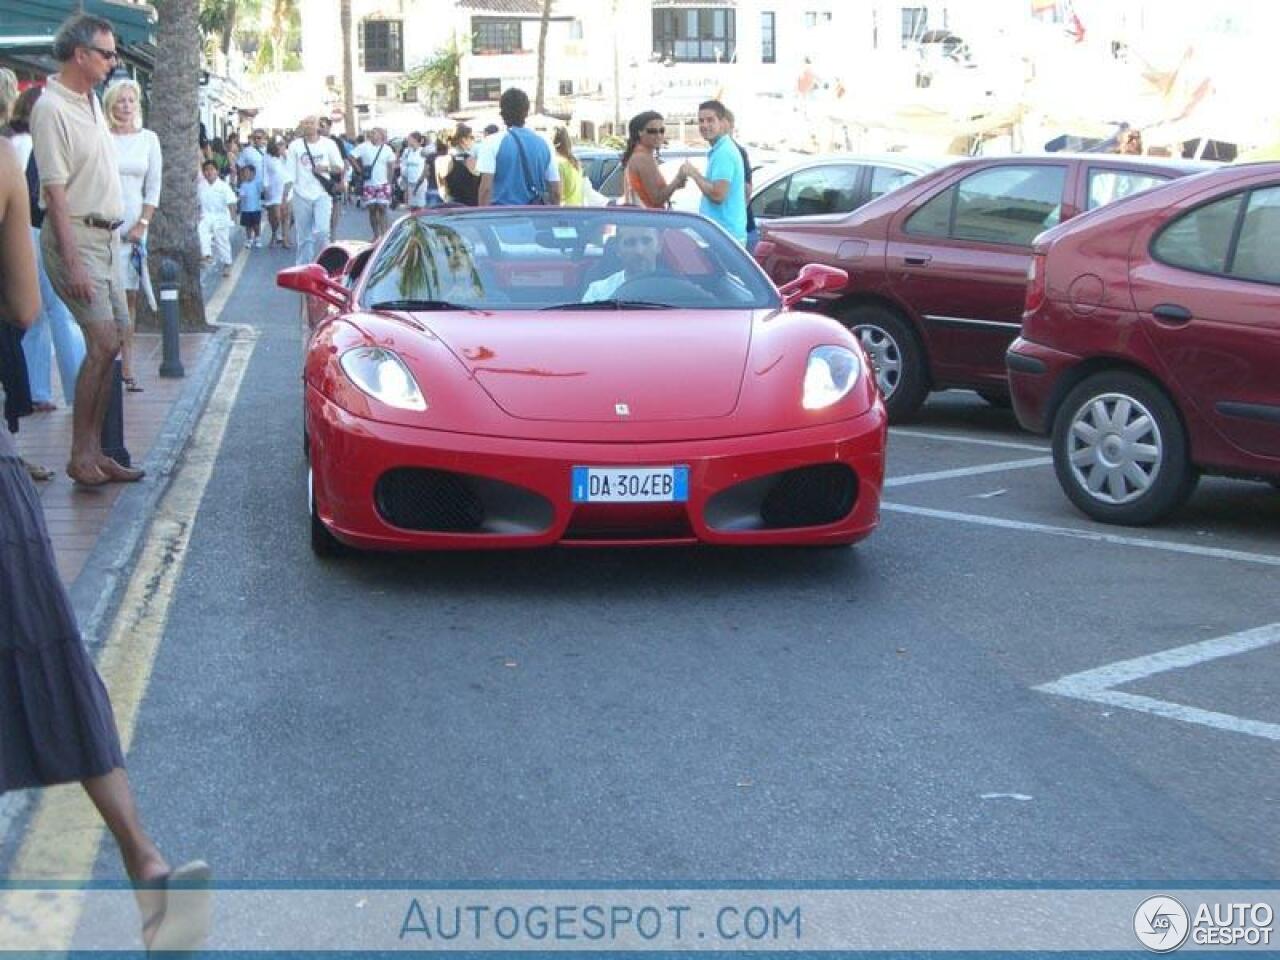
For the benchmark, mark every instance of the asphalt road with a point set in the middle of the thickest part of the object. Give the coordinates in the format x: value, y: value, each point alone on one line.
x: 701, y: 717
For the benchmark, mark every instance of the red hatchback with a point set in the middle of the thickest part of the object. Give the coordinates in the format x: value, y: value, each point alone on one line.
x: 1150, y: 345
x: 937, y: 269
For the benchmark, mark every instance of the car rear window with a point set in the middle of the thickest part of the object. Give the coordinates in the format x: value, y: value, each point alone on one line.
x: 1200, y: 239
x: 1108, y: 185
x: 1255, y: 254
x: 885, y: 179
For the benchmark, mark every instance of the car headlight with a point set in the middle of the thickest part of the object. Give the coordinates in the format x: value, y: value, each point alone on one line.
x: 383, y: 375
x: 832, y: 372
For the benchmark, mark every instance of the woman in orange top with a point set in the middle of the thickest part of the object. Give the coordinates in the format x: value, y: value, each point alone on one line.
x: 645, y: 185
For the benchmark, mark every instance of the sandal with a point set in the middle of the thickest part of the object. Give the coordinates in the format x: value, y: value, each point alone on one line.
x: 44, y: 406
x: 131, y: 385
x: 37, y: 472
x: 180, y: 921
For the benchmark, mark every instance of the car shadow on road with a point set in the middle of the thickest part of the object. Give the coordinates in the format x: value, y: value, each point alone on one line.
x: 965, y: 410
x: 618, y: 570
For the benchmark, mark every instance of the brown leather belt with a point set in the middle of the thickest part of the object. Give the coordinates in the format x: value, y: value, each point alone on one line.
x: 102, y: 224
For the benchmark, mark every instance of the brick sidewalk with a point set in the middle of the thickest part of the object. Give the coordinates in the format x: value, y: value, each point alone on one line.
x: 77, y: 515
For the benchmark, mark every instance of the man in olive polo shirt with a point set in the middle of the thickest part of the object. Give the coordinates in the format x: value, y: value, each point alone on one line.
x: 80, y: 192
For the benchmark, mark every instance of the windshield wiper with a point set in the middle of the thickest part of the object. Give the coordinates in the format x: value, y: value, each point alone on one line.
x: 420, y: 305
x: 611, y: 305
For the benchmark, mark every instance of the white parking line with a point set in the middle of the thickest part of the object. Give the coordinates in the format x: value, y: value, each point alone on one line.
x: 956, y: 438
x: 967, y: 471
x: 1168, y: 546
x: 1098, y: 685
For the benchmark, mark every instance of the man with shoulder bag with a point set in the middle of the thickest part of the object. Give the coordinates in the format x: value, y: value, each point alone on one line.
x: 315, y: 166
x: 520, y: 169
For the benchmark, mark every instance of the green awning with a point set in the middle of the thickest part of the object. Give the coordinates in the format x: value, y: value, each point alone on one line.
x: 31, y: 24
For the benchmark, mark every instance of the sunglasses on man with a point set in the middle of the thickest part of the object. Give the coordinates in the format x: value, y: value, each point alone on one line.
x: 111, y: 55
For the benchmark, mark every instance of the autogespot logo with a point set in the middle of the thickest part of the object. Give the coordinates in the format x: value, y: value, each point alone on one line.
x: 1161, y: 924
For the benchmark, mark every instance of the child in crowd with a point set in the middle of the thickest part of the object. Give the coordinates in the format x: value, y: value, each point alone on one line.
x: 217, y: 206
x: 250, y: 193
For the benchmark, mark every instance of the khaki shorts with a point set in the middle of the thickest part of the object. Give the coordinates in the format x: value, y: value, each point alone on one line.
x: 101, y: 258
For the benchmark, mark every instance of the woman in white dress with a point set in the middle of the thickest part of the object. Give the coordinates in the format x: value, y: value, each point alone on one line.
x: 138, y: 156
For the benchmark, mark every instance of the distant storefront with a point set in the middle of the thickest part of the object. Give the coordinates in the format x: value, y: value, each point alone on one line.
x: 27, y: 29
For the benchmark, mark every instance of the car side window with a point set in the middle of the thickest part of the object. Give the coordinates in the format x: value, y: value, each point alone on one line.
x: 827, y: 189
x: 933, y: 219
x: 1255, y: 255
x: 885, y: 179
x: 1108, y: 185
x: 1201, y: 238
x: 772, y: 200
x: 1009, y: 204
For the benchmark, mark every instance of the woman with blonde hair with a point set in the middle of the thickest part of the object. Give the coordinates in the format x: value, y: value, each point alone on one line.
x: 570, y: 169
x: 138, y: 157
x: 645, y: 184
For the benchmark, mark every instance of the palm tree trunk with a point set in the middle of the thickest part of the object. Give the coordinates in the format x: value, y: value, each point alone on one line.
x: 348, y: 74
x: 175, y: 119
x: 228, y: 28
x: 539, y: 101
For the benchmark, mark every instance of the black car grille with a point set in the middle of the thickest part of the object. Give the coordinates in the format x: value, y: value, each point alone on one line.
x: 804, y: 497
x: 429, y: 500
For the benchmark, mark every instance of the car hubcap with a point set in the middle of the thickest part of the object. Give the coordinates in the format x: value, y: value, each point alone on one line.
x: 1115, y: 448
x: 885, y: 357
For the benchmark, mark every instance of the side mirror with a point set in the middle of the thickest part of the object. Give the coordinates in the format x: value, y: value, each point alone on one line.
x: 311, y: 279
x: 813, y: 278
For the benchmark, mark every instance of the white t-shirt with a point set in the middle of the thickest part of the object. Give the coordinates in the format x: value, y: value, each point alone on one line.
x: 413, y: 163
x: 214, y: 198
x: 375, y: 174
x: 22, y: 143
x: 298, y: 165
x: 604, y: 289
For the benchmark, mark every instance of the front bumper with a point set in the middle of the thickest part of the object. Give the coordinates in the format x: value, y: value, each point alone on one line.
x: 350, y: 455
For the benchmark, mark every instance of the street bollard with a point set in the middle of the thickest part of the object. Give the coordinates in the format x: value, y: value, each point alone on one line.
x: 171, y: 366
x: 113, y: 423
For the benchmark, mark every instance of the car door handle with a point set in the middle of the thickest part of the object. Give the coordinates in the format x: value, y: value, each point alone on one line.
x: 916, y: 259
x: 1171, y: 313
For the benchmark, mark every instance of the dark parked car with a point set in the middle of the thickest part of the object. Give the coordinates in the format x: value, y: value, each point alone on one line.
x: 937, y: 268
x: 1150, y: 345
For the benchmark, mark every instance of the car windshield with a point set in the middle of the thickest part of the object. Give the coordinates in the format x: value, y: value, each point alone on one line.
x: 552, y: 258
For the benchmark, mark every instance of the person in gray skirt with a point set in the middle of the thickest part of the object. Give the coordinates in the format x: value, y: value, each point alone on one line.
x: 56, y: 723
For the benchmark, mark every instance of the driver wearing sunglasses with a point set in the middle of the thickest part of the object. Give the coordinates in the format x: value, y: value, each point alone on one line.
x: 637, y: 251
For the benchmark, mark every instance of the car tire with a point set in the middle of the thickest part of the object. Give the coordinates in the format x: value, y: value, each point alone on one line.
x: 996, y: 398
x: 323, y: 543
x: 896, y: 354
x: 1120, y: 450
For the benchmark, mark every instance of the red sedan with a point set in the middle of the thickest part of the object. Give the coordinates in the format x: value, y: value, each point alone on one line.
x: 493, y: 378
x: 1150, y: 344
x: 937, y: 267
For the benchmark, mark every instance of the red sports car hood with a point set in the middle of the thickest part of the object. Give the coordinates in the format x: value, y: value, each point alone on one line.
x: 602, y: 365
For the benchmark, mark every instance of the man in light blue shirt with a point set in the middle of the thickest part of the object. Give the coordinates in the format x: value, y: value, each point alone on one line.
x: 724, y: 185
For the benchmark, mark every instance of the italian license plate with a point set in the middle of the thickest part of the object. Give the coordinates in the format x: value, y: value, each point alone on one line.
x: 630, y: 484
